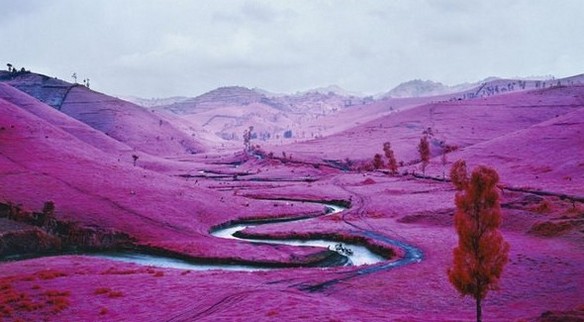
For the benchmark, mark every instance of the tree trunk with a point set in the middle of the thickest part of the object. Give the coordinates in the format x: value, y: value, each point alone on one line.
x: 479, y: 310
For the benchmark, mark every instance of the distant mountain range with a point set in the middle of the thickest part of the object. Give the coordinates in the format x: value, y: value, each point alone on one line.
x: 410, y: 89
x: 154, y: 102
x: 226, y: 112
x: 317, y: 101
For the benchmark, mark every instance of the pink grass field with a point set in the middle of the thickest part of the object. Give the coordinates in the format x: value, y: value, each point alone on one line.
x: 185, y: 182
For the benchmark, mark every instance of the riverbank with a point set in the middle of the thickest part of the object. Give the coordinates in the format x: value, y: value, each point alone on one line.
x: 544, y: 272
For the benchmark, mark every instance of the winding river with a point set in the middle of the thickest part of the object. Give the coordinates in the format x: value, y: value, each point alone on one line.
x: 360, y: 255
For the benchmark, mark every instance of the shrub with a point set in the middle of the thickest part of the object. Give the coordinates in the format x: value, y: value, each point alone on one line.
x: 115, y: 294
x: 543, y: 207
x: 49, y: 274
x: 102, y: 290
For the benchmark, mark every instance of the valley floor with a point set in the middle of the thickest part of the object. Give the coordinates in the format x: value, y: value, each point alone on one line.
x: 545, y: 271
x: 83, y: 171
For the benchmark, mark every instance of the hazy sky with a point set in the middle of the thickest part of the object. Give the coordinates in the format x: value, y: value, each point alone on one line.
x: 170, y: 47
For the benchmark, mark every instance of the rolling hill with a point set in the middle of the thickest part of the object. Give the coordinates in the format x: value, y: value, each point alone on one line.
x: 128, y: 123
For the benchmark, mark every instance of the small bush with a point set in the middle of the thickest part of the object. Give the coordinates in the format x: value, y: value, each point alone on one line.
x: 543, y: 207
x: 375, y: 214
x: 59, y: 304
x: 59, y: 300
x: 102, y: 290
x: 108, y: 292
x: 12, y: 301
x: 54, y: 293
x: 115, y: 294
x: 551, y: 229
x: 49, y: 274
x: 368, y: 181
x: 113, y: 271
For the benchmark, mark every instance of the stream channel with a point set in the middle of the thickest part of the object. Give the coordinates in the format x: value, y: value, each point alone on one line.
x: 360, y: 254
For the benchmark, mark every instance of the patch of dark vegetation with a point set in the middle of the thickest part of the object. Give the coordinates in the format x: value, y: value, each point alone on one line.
x: 562, y: 316
x: 325, y: 258
x: 343, y: 165
x: 523, y: 202
x: 555, y: 228
x: 17, y: 238
x: 368, y: 181
x: 563, y: 197
x: 44, y: 233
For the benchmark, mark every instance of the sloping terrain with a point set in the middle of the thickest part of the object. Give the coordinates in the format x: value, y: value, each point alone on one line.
x: 39, y: 162
x: 126, y: 122
x: 76, y: 128
x: 547, y: 156
x: 488, y: 87
x: 80, y: 158
x: 225, y: 113
x: 229, y: 111
x: 460, y: 123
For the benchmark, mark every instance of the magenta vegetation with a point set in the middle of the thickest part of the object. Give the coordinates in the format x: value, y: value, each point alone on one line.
x: 82, y: 173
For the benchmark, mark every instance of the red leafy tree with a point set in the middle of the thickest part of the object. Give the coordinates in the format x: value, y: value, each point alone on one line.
x: 391, y: 161
x: 424, y: 149
x: 377, y: 162
x: 481, y: 252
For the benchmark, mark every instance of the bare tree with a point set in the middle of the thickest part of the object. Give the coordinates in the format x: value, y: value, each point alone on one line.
x: 247, y: 135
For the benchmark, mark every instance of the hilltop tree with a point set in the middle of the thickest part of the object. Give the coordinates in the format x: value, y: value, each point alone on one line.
x: 424, y: 150
x: 391, y: 161
x: 481, y: 252
x: 9, y: 65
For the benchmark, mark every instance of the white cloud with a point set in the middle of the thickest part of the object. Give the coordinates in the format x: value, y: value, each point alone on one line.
x: 161, y: 48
